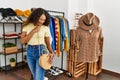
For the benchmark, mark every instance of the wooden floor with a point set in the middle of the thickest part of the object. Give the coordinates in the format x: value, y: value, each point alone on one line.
x: 24, y: 74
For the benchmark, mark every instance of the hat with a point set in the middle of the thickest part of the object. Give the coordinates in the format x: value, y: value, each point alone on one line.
x: 26, y: 13
x: 19, y: 12
x: 89, y: 21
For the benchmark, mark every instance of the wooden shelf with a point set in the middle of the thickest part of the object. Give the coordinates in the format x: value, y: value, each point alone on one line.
x: 74, y: 67
x: 77, y: 69
x: 8, y: 67
x: 19, y: 50
x: 96, y: 67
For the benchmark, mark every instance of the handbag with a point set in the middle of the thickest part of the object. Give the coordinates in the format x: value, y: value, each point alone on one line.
x: 43, y: 59
x: 43, y: 56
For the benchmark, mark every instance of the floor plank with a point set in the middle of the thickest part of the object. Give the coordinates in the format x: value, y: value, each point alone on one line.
x: 24, y: 74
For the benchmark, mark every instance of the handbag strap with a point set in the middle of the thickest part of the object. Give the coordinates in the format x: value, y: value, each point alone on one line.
x: 38, y: 42
x: 44, y: 51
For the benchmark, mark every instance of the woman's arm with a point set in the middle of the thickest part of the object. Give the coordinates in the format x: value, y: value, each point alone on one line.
x: 47, y: 40
x: 26, y: 37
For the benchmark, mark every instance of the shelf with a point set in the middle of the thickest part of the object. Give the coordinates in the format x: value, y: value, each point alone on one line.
x: 11, y: 22
x: 7, y: 36
x: 8, y: 67
x: 15, y: 37
x: 19, y: 50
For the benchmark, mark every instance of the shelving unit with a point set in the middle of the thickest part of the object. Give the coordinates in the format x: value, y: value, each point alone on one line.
x: 77, y: 68
x: 96, y: 67
x: 74, y: 67
x: 14, y: 39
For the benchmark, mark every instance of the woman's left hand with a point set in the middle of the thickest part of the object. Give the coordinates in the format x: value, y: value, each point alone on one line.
x: 51, y: 56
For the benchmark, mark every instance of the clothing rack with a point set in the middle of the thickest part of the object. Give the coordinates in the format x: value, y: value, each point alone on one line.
x: 63, y: 14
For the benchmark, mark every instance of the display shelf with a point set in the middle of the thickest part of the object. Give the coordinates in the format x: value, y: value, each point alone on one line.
x: 8, y: 67
x: 79, y: 68
x: 96, y: 67
x: 16, y: 37
x: 74, y: 67
x: 19, y: 51
x: 13, y: 39
x: 15, y: 22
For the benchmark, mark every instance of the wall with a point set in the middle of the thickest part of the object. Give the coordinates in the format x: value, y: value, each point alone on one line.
x: 55, y: 5
x: 20, y: 4
x: 109, y: 13
x: 76, y: 6
x: 27, y: 4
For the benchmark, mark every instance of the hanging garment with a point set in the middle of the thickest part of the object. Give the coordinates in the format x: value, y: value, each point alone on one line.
x: 52, y: 31
x: 67, y: 41
x: 57, y: 33
x: 62, y: 32
x: 87, y: 42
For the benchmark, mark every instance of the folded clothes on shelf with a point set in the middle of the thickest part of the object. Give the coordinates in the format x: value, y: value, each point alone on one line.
x: 10, y: 35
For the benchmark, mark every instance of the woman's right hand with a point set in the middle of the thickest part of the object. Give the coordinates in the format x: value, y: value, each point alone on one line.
x: 51, y: 56
x: 36, y: 29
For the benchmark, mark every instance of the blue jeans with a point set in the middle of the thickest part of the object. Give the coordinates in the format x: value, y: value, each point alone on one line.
x: 33, y: 61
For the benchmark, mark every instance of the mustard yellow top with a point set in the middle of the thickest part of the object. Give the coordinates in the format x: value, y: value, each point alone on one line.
x: 37, y: 38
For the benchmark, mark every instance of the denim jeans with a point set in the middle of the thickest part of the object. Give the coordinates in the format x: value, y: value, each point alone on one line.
x: 33, y: 61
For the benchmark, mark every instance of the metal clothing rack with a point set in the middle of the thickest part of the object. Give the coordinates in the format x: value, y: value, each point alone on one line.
x: 63, y: 14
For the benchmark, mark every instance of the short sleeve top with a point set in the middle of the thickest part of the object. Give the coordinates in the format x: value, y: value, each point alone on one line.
x: 39, y: 37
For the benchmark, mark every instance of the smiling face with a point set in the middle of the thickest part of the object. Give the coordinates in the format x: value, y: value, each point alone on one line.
x: 41, y: 19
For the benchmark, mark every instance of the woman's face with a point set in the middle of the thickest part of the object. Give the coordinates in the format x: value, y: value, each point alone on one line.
x: 42, y: 19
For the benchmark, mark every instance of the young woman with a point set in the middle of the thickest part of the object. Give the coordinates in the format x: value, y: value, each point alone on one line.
x: 36, y: 33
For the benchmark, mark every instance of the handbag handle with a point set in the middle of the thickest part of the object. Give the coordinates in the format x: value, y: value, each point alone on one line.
x: 43, y: 50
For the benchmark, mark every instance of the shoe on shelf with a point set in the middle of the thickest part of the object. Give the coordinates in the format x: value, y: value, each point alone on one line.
x: 45, y: 78
x: 53, y: 72
x: 57, y: 69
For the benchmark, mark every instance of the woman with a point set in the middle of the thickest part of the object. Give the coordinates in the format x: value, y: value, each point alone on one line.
x: 36, y: 32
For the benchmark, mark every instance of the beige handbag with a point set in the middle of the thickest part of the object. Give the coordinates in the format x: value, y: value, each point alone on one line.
x: 44, y: 57
x: 43, y: 61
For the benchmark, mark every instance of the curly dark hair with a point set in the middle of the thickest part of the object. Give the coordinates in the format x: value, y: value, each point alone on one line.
x: 36, y: 14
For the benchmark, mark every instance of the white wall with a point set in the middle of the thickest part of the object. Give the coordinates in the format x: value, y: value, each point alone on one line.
x: 55, y: 5
x: 76, y: 6
x: 109, y: 13
x: 15, y: 4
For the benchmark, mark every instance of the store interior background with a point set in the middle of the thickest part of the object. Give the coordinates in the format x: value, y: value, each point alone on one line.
x: 107, y: 10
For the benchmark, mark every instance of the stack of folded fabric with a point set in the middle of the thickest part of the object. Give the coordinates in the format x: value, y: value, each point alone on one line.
x: 11, y: 35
